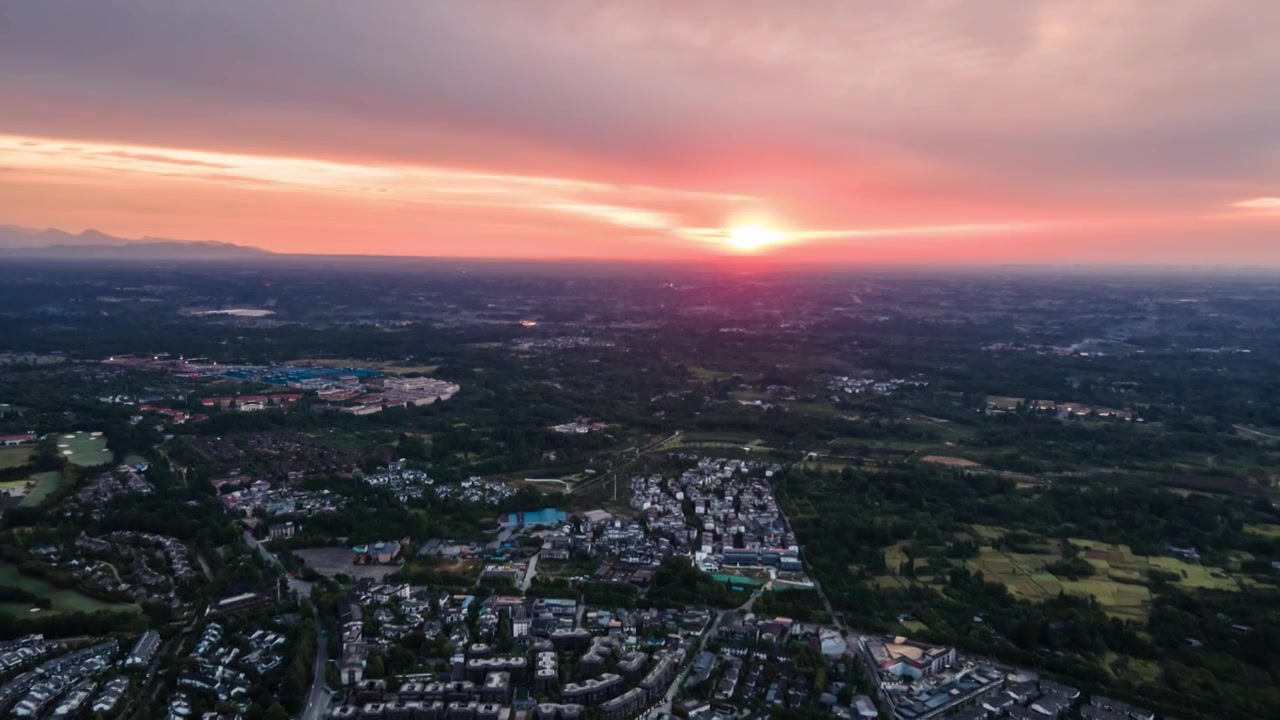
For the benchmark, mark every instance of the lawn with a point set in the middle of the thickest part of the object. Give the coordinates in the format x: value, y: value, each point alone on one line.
x: 15, y: 456
x: 46, y: 482
x: 914, y: 627
x: 63, y: 600
x: 718, y: 440
x: 85, y: 449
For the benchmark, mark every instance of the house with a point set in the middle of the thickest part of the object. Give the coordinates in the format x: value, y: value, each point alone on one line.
x: 144, y: 650
x: 378, y: 553
x: 281, y: 530
x: 865, y: 707
x: 11, y: 440
x: 1023, y: 692
x: 544, y: 517
x: 1052, y: 706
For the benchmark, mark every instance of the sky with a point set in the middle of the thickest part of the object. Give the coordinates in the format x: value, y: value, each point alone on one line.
x: 1001, y: 131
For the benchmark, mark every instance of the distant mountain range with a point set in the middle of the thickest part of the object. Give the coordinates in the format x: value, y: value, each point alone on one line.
x: 21, y: 242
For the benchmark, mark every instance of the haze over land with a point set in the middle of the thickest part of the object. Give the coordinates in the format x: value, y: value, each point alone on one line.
x: 1048, y: 132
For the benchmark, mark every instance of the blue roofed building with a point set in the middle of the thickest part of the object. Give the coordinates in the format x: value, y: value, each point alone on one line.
x: 534, y: 518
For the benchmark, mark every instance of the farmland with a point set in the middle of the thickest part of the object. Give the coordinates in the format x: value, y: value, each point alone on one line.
x: 15, y: 456
x: 1120, y: 581
x: 949, y: 461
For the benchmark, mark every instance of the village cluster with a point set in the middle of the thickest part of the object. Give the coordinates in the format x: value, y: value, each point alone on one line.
x: 722, y: 514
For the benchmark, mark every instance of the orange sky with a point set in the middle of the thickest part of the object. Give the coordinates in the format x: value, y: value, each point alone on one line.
x: 1019, y: 131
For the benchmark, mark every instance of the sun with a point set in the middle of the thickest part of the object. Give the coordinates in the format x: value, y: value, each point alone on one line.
x: 748, y: 238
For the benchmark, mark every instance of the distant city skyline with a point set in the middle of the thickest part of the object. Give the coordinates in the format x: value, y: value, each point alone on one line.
x: 861, y: 132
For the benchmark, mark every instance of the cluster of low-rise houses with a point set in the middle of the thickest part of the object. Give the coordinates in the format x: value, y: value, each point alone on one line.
x: 871, y: 386
x: 580, y: 426
x: 225, y: 665
x: 475, y: 490
x: 99, y: 558
x: 260, y: 498
x: 124, y: 480
x: 564, y: 342
x: 512, y: 656
x: 69, y: 676
x: 721, y: 513
x: 407, y: 484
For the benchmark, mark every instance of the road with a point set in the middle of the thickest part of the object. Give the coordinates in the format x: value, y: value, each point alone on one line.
x: 530, y: 573
x: 670, y: 697
x: 1255, y: 432
x: 318, y: 698
x: 676, y: 684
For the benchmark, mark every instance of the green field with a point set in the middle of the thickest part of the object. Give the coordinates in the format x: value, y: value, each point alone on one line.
x: 708, y: 440
x: 46, y: 482
x: 1120, y: 580
x: 83, y: 448
x: 15, y: 456
x: 708, y: 374
x: 63, y: 600
x: 11, y: 485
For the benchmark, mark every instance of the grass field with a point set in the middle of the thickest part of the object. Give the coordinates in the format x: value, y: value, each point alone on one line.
x: 15, y: 456
x: 717, y: 440
x: 83, y: 448
x: 1264, y: 530
x: 63, y: 600
x: 708, y: 374
x: 915, y: 627
x: 46, y: 482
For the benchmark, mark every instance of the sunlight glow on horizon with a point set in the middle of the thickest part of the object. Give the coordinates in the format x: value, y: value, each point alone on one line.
x: 309, y: 205
x: 749, y: 238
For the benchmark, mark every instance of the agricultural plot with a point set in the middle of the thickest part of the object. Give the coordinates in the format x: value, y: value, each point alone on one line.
x: 949, y: 461
x: 1120, y: 582
x: 15, y: 456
